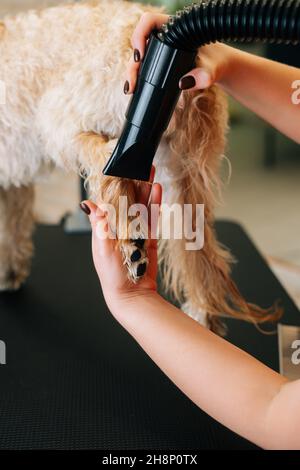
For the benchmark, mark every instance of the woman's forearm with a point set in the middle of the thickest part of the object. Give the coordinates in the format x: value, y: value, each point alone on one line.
x: 265, y: 87
x: 224, y: 381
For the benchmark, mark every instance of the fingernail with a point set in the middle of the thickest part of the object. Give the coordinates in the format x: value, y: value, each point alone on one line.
x: 136, y: 255
x: 187, y: 82
x: 85, y: 208
x: 139, y: 243
x: 141, y: 270
x: 126, y: 87
x: 136, y: 55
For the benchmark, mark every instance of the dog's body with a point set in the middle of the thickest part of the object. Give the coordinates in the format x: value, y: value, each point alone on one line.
x: 64, y: 71
x: 63, y: 68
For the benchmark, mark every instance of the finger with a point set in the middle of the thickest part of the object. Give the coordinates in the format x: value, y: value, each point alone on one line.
x: 154, y: 210
x: 155, y: 203
x: 156, y: 195
x: 196, y: 79
x: 90, y: 210
x: 152, y: 174
x: 146, y: 24
x: 103, y: 237
x: 153, y: 260
x: 131, y: 75
x: 145, y: 188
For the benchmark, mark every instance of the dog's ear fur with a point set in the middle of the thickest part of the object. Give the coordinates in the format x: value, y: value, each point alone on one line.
x: 202, y: 278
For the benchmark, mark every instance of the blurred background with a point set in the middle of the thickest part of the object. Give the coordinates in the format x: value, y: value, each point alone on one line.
x: 264, y: 190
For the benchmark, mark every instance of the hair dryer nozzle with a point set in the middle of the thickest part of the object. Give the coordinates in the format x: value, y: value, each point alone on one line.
x: 150, y: 110
x: 132, y: 157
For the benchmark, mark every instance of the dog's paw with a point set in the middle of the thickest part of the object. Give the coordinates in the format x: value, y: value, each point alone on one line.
x: 135, y: 257
x: 11, y: 280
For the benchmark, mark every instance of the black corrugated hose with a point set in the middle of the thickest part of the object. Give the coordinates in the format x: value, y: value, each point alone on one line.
x: 273, y: 21
x: 171, y: 53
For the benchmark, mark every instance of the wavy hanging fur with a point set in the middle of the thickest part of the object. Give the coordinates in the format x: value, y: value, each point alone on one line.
x: 64, y: 71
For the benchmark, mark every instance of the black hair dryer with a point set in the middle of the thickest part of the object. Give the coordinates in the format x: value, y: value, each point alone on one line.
x: 171, y: 53
x: 150, y: 109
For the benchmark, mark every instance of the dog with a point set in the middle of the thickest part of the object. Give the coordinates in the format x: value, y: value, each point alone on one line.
x: 63, y: 68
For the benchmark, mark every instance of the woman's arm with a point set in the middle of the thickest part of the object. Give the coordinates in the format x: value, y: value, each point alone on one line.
x: 262, y: 85
x: 224, y: 381
x: 230, y: 385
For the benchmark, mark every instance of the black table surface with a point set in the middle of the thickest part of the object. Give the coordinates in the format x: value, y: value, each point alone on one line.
x: 74, y: 379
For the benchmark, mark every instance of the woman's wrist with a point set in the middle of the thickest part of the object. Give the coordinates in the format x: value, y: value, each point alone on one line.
x: 129, y: 307
x: 230, y: 59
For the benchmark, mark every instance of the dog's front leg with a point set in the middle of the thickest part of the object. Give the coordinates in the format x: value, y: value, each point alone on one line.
x: 16, y: 226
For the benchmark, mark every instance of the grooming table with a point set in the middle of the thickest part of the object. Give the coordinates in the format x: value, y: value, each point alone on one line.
x: 75, y: 379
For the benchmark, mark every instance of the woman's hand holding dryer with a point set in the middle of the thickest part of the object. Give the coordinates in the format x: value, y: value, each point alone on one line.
x: 264, y: 86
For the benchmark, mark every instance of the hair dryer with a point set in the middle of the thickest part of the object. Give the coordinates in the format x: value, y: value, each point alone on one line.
x: 171, y: 53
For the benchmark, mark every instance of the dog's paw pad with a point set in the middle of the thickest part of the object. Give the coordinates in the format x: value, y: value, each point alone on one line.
x: 11, y: 281
x: 135, y: 257
x: 141, y: 269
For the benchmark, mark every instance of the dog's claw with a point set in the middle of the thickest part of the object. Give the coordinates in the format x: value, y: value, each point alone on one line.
x: 139, y: 243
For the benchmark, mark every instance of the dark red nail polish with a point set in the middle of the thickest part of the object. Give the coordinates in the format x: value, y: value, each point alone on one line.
x: 126, y: 87
x: 85, y: 208
x: 187, y: 82
x: 136, y: 55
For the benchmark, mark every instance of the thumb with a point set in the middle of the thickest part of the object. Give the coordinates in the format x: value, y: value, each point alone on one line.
x: 102, y: 235
x: 98, y: 220
x: 91, y: 210
x: 197, y: 79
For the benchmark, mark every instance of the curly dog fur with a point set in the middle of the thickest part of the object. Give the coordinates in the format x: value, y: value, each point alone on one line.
x: 64, y: 69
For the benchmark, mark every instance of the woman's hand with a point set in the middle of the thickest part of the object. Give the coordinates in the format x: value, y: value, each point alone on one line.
x: 214, y: 59
x: 118, y: 290
x: 242, y: 75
